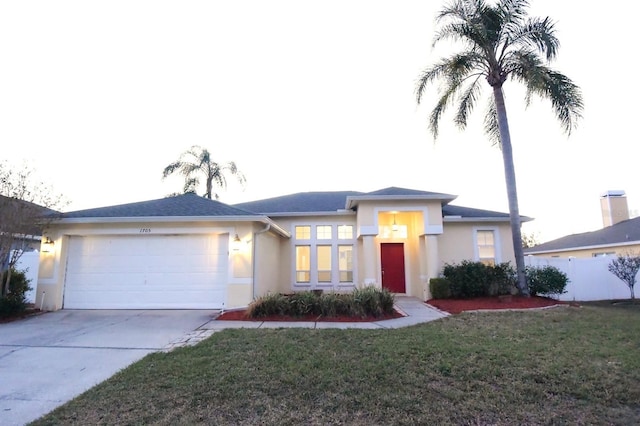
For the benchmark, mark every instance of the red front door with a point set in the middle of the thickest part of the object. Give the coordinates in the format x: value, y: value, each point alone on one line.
x: 392, y: 262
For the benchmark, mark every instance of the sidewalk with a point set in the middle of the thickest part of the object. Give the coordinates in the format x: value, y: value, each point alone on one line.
x: 415, y: 311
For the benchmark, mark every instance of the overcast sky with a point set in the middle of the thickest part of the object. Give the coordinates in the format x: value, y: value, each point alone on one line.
x: 99, y: 97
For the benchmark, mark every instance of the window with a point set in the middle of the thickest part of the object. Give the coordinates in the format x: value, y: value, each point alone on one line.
x: 323, y: 232
x: 303, y: 264
x: 486, y: 247
x: 324, y: 264
x: 345, y: 232
x: 345, y: 263
x: 303, y: 232
x: 324, y: 255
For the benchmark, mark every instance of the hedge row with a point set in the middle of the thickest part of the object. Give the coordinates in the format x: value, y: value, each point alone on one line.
x: 475, y: 279
x: 364, y: 302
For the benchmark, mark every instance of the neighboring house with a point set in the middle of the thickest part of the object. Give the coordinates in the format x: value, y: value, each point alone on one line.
x: 191, y: 252
x: 620, y: 235
x: 21, y: 238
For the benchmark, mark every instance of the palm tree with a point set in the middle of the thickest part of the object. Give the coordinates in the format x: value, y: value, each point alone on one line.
x: 500, y: 42
x: 197, y: 161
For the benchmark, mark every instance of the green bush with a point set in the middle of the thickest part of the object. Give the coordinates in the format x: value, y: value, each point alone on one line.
x: 271, y: 304
x: 372, y: 301
x: 368, y: 301
x: 303, y: 303
x: 439, y: 288
x: 546, y: 280
x: 475, y: 279
x: 504, y: 279
x: 15, y: 301
x: 468, y: 279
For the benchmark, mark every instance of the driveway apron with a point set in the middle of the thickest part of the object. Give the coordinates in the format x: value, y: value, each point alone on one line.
x: 51, y: 358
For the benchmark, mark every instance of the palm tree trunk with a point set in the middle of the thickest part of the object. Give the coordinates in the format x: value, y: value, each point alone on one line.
x: 512, y: 193
x: 209, y: 187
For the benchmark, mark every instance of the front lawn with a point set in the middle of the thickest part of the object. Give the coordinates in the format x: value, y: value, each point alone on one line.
x: 567, y: 365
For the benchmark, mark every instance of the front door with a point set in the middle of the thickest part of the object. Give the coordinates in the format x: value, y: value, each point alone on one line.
x: 392, y: 263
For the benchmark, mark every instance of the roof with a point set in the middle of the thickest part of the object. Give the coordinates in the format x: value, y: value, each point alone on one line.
x: 302, y: 202
x: 625, y: 232
x: 176, y: 206
x: 394, y: 193
x: 23, y: 215
x: 344, y: 201
x: 450, y: 210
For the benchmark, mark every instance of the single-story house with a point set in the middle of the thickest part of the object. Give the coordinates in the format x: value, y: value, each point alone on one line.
x: 619, y: 235
x: 189, y: 252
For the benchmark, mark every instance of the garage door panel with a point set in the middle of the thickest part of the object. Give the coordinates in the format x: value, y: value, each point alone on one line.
x: 146, y: 272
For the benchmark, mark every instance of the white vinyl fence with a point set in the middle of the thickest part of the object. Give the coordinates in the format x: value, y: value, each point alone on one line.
x: 589, y: 279
x: 29, y: 262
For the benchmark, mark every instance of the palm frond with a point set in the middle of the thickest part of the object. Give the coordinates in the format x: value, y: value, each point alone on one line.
x: 565, y: 96
x: 188, y: 169
x: 467, y: 102
x: 171, y: 168
x: 536, y: 33
x: 491, y: 128
x: 454, y: 69
x: 190, y: 185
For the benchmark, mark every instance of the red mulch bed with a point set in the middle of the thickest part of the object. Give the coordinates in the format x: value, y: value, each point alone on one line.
x: 455, y: 306
x: 241, y: 316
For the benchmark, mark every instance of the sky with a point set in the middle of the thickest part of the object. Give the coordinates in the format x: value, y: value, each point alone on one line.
x: 98, y: 97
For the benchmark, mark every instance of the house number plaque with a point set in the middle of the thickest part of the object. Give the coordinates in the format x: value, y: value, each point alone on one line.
x: 145, y: 230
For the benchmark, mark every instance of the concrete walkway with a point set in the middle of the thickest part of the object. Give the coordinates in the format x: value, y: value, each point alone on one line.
x: 415, y: 311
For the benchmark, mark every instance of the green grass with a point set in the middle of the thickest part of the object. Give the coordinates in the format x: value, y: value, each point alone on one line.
x: 558, y: 366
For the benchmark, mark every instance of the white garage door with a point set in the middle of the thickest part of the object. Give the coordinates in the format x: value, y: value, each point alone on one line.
x: 146, y: 272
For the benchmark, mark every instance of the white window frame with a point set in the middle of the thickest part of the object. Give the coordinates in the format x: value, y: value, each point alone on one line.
x: 334, y: 243
x: 496, y: 243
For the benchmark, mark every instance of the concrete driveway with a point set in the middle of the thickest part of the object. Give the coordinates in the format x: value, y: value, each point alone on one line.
x: 49, y: 359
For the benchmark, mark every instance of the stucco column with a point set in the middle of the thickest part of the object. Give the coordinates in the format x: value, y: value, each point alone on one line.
x: 369, y: 260
x: 433, y: 262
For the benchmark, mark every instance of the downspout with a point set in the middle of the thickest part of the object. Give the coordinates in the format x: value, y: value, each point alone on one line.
x: 253, y: 258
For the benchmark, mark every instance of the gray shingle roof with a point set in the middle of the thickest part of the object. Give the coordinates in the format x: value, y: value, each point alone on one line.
x: 302, y: 202
x: 404, y: 192
x: 450, y: 210
x: 180, y: 205
x: 624, y: 232
x: 318, y: 202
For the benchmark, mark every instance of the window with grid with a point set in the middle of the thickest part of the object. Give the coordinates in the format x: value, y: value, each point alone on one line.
x: 303, y: 264
x: 486, y: 247
x: 323, y: 254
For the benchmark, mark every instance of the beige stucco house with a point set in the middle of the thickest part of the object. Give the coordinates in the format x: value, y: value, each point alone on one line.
x: 188, y: 252
x: 620, y: 235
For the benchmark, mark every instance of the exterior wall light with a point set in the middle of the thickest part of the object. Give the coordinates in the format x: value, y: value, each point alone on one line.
x: 47, y: 245
x: 394, y: 227
x: 235, y: 245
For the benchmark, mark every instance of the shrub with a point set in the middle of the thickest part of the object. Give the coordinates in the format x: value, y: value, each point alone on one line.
x: 15, y: 301
x: 303, y: 303
x: 468, y: 279
x: 271, y: 304
x: 333, y: 304
x: 369, y: 301
x: 475, y: 279
x: 504, y: 280
x: 546, y: 280
x: 439, y: 288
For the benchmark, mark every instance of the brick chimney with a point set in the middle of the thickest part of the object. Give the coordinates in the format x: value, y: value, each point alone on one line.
x: 614, y: 207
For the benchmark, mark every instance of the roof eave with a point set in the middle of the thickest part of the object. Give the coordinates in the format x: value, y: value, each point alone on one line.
x: 173, y: 219
x: 591, y: 247
x: 353, y: 200
x: 482, y: 219
x: 320, y: 213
